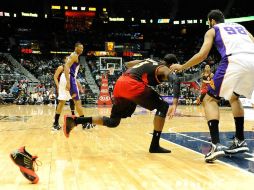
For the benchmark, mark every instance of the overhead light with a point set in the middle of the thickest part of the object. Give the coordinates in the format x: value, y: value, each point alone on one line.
x: 6, y: 14
x: 92, y: 9
x: 116, y: 19
x: 143, y: 21
x: 163, y: 20
x: 29, y: 14
x: 56, y: 7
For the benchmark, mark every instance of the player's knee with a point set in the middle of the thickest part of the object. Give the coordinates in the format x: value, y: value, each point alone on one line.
x: 111, y: 122
x: 234, y: 97
x: 162, y: 109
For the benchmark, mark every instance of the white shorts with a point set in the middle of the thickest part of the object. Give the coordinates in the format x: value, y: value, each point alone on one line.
x: 63, y: 94
x: 237, y: 76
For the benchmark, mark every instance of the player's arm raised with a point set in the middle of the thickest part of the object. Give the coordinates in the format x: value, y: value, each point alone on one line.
x: 56, y: 75
x: 70, y: 60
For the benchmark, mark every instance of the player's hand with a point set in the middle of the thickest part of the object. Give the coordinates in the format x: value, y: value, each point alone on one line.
x: 88, y: 126
x: 80, y: 88
x: 171, y: 112
x: 68, y: 86
x: 176, y: 67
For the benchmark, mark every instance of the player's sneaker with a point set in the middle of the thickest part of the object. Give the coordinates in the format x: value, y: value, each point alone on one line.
x: 88, y: 126
x: 216, y: 151
x: 237, y: 147
x: 56, y: 127
x: 25, y: 162
x: 69, y: 124
x: 158, y: 149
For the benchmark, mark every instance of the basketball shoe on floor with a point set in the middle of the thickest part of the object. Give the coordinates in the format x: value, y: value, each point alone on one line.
x: 56, y: 127
x: 25, y: 162
x: 216, y: 151
x: 237, y: 147
x: 69, y: 124
x: 88, y: 126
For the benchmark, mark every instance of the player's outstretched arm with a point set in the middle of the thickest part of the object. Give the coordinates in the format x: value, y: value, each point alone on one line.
x: 201, y: 55
x: 132, y: 63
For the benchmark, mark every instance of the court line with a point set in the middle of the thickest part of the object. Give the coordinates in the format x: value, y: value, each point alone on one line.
x: 240, y: 169
x: 203, y: 141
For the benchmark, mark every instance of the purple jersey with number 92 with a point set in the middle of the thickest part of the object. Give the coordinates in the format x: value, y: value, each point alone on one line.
x: 232, y: 38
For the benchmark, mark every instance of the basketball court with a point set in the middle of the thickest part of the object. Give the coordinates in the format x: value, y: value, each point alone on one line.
x: 104, y: 158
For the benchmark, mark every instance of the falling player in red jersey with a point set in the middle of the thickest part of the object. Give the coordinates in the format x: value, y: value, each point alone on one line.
x: 132, y: 89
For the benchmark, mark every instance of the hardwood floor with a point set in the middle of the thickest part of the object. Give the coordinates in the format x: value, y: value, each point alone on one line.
x: 105, y: 158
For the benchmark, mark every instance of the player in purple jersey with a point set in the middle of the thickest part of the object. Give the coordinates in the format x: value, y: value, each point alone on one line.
x: 71, y: 68
x: 234, y: 77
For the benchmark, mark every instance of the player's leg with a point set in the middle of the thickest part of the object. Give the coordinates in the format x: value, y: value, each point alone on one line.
x: 202, y: 96
x: 58, y: 112
x: 79, y: 108
x: 211, y: 108
x: 239, y: 144
x: 72, y: 106
x: 240, y: 75
x: 74, y: 91
x: 212, y: 114
x: 63, y: 95
x: 121, y: 108
x: 150, y: 100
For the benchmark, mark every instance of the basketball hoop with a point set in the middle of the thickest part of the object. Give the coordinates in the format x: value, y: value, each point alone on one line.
x: 111, y: 70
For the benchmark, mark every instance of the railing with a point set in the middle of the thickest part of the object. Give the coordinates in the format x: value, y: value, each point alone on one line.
x: 19, y: 68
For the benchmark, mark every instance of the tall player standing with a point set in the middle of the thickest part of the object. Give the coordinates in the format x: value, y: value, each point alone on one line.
x: 234, y: 77
x: 71, y: 68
